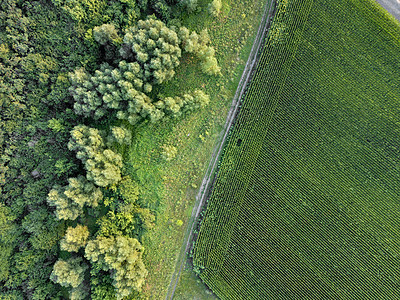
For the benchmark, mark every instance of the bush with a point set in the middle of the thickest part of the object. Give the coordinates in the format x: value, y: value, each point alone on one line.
x: 214, y: 7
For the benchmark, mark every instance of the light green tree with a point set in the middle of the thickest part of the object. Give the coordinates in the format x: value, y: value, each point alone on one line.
x: 104, y: 168
x: 103, y: 165
x: 74, y: 238
x: 155, y: 47
x: 122, y: 256
x: 70, y: 200
x: 66, y: 208
x: 120, y: 135
x: 214, y: 7
x: 70, y: 273
x: 83, y: 192
x: 85, y: 141
x: 106, y: 33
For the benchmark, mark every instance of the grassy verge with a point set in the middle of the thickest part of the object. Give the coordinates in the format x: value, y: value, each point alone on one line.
x: 191, y: 287
x: 169, y: 188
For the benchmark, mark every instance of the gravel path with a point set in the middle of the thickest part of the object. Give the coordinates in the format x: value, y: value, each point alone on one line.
x: 392, y: 6
x: 208, y: 178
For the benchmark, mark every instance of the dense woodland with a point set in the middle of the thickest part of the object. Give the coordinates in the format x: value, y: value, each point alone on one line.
x: 76, y: 77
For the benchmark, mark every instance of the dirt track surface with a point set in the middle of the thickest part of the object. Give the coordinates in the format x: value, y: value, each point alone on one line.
x: 392, y: 6
x: 208, y: 178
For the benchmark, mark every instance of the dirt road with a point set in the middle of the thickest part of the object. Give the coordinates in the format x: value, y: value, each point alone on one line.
x: 208, y: 178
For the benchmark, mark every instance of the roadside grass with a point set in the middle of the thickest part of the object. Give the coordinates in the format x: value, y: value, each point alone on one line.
x: 169, y: 188
x: 306, y: 206
x: 191, y: 287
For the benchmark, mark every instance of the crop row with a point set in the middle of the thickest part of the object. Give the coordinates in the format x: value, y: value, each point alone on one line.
x: 250, y: 128
x: 306, y: 205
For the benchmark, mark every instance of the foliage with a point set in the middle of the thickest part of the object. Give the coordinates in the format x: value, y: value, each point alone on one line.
x: 214, y: 7
x: 95, y: 12
x: 74, y: 238
x: 189, y: 5
x: 103, y: 165
x: 125, y: 216
x: 169, y: 152
x: 122, y: 256
x: 8, y: 238
x: 71, y: 199
x: 122, y: 13
x: 70, y: 273
x: 40, y: 44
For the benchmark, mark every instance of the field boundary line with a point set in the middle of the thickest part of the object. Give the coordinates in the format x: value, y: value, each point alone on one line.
x: 209, y: 178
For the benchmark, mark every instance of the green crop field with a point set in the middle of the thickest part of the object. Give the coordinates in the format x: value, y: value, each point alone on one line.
x: 306, y: 204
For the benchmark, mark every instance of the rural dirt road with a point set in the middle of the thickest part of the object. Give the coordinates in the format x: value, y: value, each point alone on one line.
x: 208, y: 178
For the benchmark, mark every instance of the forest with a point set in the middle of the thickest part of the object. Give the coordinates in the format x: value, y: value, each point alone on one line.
x: 76, y: 80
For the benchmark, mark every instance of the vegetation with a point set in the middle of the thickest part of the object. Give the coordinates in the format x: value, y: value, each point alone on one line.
x: 123, y: 257
x: 169, y: 187
x: 215, y: 7
x: 140, y: 124
x: 47, y: 54
x: 305, y: 204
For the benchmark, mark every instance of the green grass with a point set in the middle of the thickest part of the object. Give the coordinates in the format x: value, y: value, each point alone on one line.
x: 308, y: 206
x: 191, y: 287
x: 169, y: 188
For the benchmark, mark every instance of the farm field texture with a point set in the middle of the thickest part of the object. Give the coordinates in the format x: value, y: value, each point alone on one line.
x: 306, y: 204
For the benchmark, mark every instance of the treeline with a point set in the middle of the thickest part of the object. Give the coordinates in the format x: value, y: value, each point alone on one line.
x: 70, y: 222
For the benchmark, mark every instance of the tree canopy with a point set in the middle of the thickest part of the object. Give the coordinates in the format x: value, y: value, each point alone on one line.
x: 74, y: 238
x: 103, y: 165
x: 122, y: 256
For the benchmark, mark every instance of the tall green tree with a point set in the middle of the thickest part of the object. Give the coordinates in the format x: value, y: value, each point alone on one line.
x: 71, y: 199
x: 103, y: 165
x: 122, y: 256
x: 71, y: 273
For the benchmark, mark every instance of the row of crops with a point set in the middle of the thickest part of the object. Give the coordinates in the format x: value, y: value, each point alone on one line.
x: 307, y: 204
